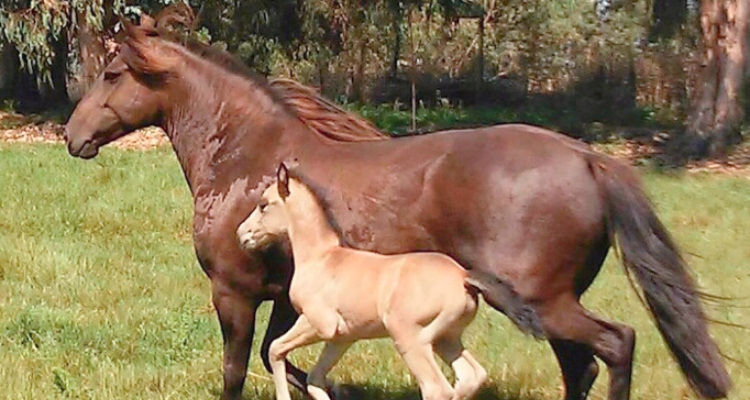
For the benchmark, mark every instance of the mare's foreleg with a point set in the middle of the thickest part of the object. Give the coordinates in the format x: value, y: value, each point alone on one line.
x: 301, y: 334
x: 237, y: 319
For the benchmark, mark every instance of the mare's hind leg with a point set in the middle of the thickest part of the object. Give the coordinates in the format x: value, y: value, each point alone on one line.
x: 470, y: 375
x: 316, y: 380
x: 578, y: 367
x: 612, y: 343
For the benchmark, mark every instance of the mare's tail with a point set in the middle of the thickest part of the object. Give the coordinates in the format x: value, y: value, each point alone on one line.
x: 501, y: 296
x: 649, y: 253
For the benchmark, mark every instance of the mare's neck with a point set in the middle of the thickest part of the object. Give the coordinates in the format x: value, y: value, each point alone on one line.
x: 224, y: 127
x: 310, y: 232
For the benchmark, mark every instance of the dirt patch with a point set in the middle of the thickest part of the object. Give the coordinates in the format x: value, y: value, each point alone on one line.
x: 638, y: 153
x: 19, y: 128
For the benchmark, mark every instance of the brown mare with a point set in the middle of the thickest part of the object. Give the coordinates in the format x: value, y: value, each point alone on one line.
x: 527, y: 205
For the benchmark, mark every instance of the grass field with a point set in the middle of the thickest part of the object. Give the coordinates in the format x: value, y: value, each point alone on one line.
x: 101, y: 296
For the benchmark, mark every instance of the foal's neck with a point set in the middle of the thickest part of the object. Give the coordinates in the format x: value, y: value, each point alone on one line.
x: 310, y: 231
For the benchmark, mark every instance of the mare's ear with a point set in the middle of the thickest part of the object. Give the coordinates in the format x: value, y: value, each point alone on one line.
x: 148, y: 23
x: 142, y: 52
x: 177, y: 18
x: 282, y: 180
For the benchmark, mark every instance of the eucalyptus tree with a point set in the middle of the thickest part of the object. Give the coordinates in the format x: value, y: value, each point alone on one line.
x: 40, y: 34
x: 716, y: 113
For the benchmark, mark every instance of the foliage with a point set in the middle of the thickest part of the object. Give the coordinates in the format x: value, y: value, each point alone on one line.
x: 33, y: 26
x: 602, y: 60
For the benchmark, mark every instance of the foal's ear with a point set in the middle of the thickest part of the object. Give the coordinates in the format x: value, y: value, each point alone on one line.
x: 282, y: 180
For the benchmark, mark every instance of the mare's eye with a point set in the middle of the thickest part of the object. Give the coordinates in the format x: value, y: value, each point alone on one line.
x: 111, y: 76
x: 262, y: 205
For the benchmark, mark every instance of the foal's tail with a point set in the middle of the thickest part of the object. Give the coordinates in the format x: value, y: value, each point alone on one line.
x: 649, y: 253
x: 501, y: 296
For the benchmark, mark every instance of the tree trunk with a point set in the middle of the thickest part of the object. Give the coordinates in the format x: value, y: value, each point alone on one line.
x: 413, y: 71
x: 396, y: 27
x: 33, y: 96
x: 716, y: 112
x: 479, y: 84
x: 666, y: 17
x: 93, y: 54
x: 359, y: 71
x: 56, y: 93
x: 8, y: 70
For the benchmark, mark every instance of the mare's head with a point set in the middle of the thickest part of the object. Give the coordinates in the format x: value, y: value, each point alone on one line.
x: 269, y: 221
x: 128, y: 95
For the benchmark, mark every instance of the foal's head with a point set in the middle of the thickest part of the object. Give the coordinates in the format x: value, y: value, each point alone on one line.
x: 269, y: 220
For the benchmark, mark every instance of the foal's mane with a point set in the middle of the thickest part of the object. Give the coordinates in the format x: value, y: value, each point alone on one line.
x: 319, y: 196
x: 319, y: 114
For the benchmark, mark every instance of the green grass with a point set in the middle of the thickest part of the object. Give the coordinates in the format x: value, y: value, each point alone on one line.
x: 101, y: 296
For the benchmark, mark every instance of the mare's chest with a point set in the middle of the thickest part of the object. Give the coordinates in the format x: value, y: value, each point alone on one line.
x: 217, y: 214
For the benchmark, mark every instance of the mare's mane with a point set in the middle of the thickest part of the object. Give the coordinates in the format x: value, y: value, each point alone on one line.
x: 319, y: 114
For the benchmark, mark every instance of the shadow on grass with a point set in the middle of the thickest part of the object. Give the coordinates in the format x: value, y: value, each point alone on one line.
x: 376, y: 392
x: 490, y: 391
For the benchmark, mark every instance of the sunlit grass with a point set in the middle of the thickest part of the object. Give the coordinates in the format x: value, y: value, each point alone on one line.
x: 101, y: 296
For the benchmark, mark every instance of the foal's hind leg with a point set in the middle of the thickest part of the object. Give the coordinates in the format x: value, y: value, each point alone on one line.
x: 470, y: 375
x: 415, y: 346
x: 432, y: 382
x: 612, y: 343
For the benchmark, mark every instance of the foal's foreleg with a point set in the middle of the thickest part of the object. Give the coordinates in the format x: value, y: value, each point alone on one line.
x: 282, y: 319
x: 316, y: 381
x: 301, y: 334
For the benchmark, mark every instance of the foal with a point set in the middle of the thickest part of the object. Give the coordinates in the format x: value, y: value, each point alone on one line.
x: 423, y: 301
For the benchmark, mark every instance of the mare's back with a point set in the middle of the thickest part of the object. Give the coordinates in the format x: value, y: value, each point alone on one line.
x: 514, y: 144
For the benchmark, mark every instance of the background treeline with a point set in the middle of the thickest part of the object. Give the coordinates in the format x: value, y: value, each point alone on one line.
x: 566, y: 63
